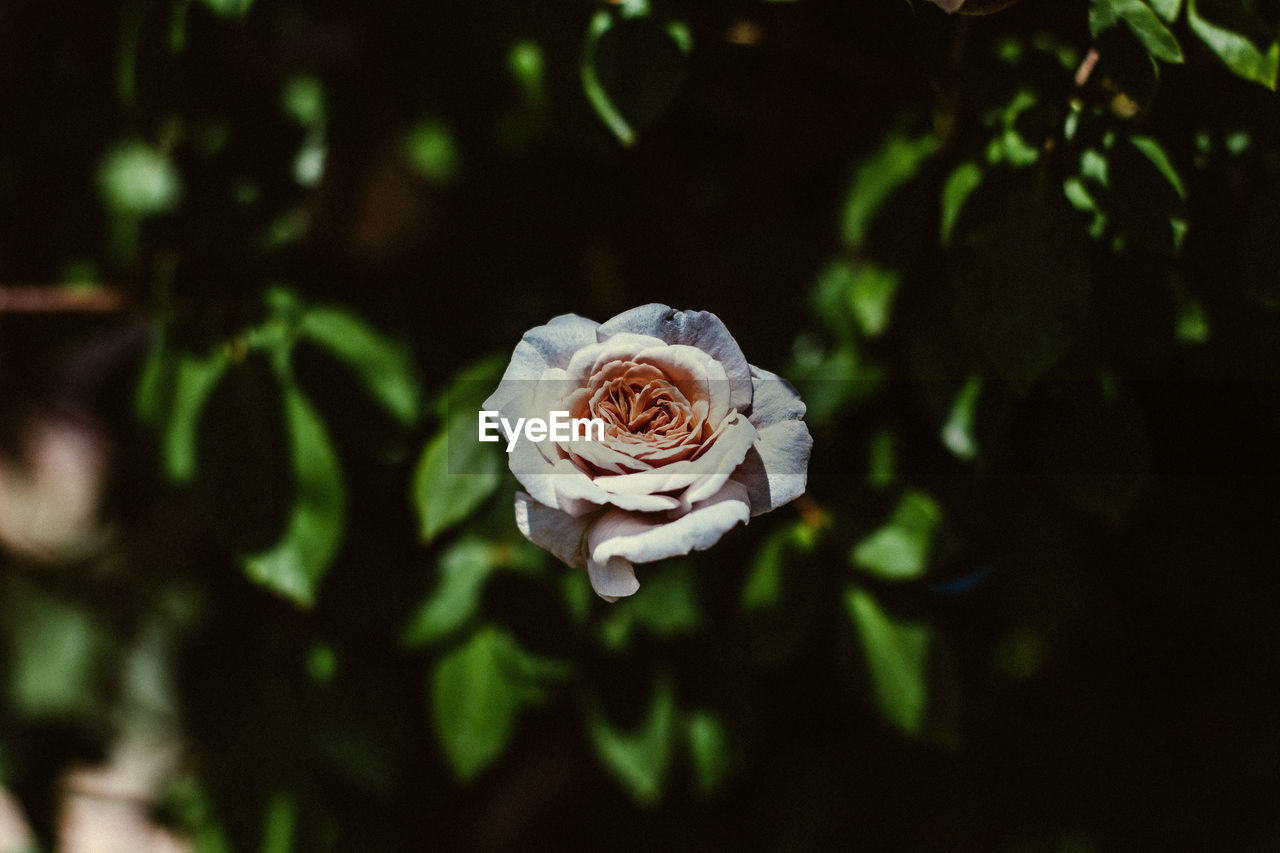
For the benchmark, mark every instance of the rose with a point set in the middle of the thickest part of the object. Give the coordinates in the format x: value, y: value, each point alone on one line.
x: 696, y: 440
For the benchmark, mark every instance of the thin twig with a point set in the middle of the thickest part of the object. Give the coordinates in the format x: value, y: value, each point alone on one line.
x: 41, y: 299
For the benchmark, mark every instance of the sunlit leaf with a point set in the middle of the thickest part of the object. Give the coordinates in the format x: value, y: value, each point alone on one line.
x: 296, y: 565
x: 638, y: 759
x: 193, y: 381
x: 455, y: 475
x: 897, y: 161
x: 137, y: 179
x: 1167, y: 9
x: 1144, y: 23
x: 961, y: 183
x: 871, y: 292
x: 900, y: 549
x: 477, y: 692
x: 382, y: 364
x: 897, y: 655
x: 957, y: 433
x: 1234, y: 48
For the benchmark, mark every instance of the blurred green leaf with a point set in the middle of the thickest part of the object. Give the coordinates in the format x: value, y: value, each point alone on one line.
x: 477, y: 692
x: 959, y: 186
x: 639, y: 759
x: 1144, y: 23
x: 296, y: 565
x: 708, y: 749
x: 899, y: 550
x: 135, y: 178
x: 898, y: 160
x: 765, y: 577
x: 882, y: 459
x: 668, y: 601
x: 59, y: 654
x: 279, y: 824
x: 303, y: 99
x: 871, y: 292
x: 897, y: 654
x: 1233, y: 47
x: 1167, y: 9
x: 463, y: 568
x: 632, y: 67
x: 1023, y: 279
x: 194, y: 379
x: 432, y: 152
x: 382, y: 364
x: 455, y: 475
x: 229, y: 8
x: 957, y: 433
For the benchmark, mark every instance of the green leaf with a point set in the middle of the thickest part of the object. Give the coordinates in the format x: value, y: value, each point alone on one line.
x: 296, y: 565
x: 1167, y: 9
x: 871, y: 292
x: 58, y: 654
x: 1234, y: 48
x: 1022, y: 277
x: 959, y: 186
x: 708, y: 749
x: 639, y: 759
x: 632, y: 67
x: 900, y: 549
x: 229, y: 8
x: 1144, y: 23
x: 432, y: 152
x: 897, y: 654
x: 668, y: 602
x: 958, y: 432
x: 455, y: 475
x: 477, y: 692
x: 764, y: 579
x: 193, y: 382
x: 897, y: 161
x: 464, y: 566
x: 137, y: 179
x: 383, y: 365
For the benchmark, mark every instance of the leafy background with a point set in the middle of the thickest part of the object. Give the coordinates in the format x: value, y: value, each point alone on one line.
x: 261, y: 258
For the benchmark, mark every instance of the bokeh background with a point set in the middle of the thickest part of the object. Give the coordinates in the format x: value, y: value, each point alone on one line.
x: 258, y: 258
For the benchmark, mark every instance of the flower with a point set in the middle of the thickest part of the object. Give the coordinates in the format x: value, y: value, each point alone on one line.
x: 696, y: 440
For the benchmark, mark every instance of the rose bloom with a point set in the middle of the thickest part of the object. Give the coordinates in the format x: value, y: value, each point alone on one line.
x: 696, y: 439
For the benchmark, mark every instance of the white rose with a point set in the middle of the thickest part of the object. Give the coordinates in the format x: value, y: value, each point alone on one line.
x: 696, y: 441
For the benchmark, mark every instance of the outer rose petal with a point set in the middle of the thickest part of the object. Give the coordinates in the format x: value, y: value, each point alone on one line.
x: 546, y: 346
x: 645, y: 537
x: 558, y: 532
x: 700, y: 329
x: 776, y: 469
x: 612, y: 579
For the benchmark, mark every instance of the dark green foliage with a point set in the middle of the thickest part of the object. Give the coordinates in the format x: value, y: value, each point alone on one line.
x: 1024, y: 268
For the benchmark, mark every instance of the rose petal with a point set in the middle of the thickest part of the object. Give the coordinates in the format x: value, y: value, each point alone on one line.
x: 700, y: 329
x: 558, y: 532
x: 612, y: 579
x: 695, y: 373
x: 775, y: 399
x: 645, y: 537
x: 546, y: 346
x: 701, y: 477
x: 590, y: 359
x: 776, y: 468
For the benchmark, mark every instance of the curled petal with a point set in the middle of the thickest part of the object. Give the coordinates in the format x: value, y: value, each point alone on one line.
x: 612, y: 579
x: 700, y: 329
x: 775, y: 399
x: 645, y: 537
x: 775, y: 471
